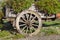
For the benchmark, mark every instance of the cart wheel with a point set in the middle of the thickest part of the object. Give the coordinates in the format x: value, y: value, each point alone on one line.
x: 28, y: 23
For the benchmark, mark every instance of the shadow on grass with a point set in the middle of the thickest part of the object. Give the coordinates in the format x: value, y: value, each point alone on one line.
x: 54, y: 24
x: 8, y: 27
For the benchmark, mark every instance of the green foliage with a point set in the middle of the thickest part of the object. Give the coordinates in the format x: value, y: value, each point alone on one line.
x: 7, y: 35
x: 1, y: 14
x: 17, y: 36
x: 50, y: 30
x: 52, y: 27
x: 4, y: 34
x: 51, y: 6
x: 19, y: 5
x: 1, y: 25
x: 55, y: 23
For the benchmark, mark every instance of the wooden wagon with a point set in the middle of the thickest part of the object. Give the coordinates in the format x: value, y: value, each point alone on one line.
x: 28, y: 22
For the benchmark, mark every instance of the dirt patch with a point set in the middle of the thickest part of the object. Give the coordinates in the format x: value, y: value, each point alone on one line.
x: 50, y: 37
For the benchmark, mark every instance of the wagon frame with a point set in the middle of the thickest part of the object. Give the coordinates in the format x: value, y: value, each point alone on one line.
x: 28, y: 22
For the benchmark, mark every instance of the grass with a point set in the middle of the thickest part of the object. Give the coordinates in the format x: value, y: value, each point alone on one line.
x: 51, y: 27
x: 17, y: 36
x: 7, y: 35
x: 1, y: 25
x: 55, y: 23
x: 4, y: 34
x: 49, y: 31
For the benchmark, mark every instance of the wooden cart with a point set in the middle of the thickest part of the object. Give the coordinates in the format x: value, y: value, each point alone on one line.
x: 28, y: 22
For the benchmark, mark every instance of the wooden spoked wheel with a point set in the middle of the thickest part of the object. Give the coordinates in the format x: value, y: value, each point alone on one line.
x: 28, y: 23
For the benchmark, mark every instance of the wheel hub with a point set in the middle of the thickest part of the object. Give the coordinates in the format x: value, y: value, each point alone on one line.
x: 28, y: 23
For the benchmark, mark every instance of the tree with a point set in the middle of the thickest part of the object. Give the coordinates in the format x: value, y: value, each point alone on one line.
x: 49, y: 6
x: 19, y: 5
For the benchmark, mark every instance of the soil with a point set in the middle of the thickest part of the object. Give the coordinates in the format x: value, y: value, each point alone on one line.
x: 50, y: 37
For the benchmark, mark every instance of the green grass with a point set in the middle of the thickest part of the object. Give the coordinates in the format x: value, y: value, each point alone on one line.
x: 17, y: 36
x: 1, y: 25
x: 49, y: 31
x: 7, y: 35
x: 51, y: 27
x: 55, y: 23
x: 4, y: 34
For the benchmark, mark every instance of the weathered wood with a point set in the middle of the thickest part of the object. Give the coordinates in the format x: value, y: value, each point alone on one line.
x: 28, y: 24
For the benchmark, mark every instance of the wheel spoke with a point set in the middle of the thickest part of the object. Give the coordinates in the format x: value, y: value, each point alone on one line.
x: 23, y: 18
x: 34, y: 21
x: 34, y: 25
x: 27, y: 16
x: 33, y: 18
x: 21, y: 21
x: 30, y: 17
x: 27, y: 30
x: 32, y: 28
x: 22, y: 25
x: 24, y: 28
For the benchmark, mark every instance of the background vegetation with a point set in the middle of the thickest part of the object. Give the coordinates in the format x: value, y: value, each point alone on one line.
x: 48, y: 6
x: 1, y: 14
x: 19, y: 5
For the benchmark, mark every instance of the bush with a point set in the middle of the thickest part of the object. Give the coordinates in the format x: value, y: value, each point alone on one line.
x: 19, y: 5
x: 48, y: 6
x: 1, y: 14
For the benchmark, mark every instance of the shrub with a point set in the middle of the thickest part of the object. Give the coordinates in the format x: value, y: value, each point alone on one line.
x: 19, y: 5
x: 49, y: 6
x: 1, y: 14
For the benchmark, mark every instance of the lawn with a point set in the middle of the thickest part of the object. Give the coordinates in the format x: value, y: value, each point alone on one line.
x: 8, y: 34
x: 55, y: 23
x: 49, y: 27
